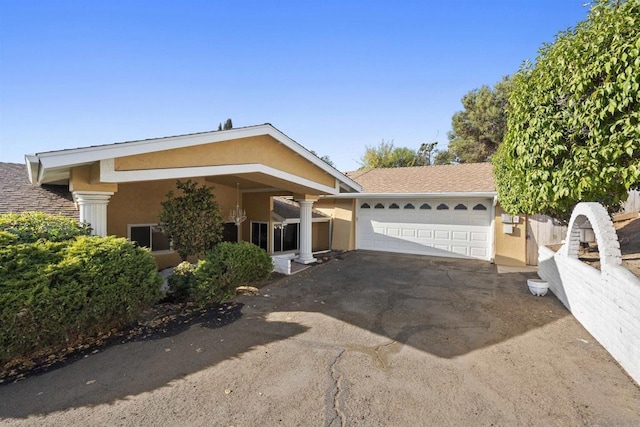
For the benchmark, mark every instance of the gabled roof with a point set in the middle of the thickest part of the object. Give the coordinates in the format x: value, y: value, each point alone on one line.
x: 461, y: 178
x: 54, y: 166
x: 19, y: 195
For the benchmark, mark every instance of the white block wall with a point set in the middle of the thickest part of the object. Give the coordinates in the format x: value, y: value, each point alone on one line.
x: 606, y: 301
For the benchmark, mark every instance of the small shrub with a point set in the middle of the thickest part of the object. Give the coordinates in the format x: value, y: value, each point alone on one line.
x: 182, y: 280
x: 32, y: 226
x: 226, y: 267
x: 56, y: 292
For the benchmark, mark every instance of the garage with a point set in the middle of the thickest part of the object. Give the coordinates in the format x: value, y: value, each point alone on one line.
x: 458, y: 228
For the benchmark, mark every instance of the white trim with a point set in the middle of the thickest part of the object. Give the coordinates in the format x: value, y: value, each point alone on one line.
x: 77, y: 156
x: 447, y: 195
x: 109, y: 174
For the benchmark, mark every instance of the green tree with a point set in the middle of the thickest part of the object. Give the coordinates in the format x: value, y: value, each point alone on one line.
x: 193, y: 221
x: 324, y: 158
x: 574, y: 118
x: 228, y: 124
x: 386, y: 155
x: 427, y: 153
x: 479, y: 129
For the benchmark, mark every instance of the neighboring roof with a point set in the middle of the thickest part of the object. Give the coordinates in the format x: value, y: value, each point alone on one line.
x: 288, y: 209
x: 461, y: 178
x: 54, y: 166
x: 19, y: 195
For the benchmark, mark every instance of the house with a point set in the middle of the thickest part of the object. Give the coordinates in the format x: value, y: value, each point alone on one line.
x: 293, y: 200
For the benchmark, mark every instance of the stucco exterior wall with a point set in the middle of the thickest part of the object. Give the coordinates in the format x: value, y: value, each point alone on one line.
x: 261, y: 149
x: 139, y: 203
x: 83, y: 178
x: 510, y: 249
x: 320, y: 236
x: 343, y: 229
x: 258, y: 207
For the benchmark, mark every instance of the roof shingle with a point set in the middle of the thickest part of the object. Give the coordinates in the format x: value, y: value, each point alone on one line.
x: 19, y: 195
x: 462, y: 178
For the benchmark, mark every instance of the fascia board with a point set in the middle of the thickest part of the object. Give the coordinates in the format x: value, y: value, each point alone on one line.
x: 469, y: 194
x: 109, y: 174
x: 78, y: 156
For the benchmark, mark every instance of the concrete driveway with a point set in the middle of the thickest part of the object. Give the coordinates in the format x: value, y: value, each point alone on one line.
x: 371, y: 339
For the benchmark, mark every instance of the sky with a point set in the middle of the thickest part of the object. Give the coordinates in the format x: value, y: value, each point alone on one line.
x: 335, y: 76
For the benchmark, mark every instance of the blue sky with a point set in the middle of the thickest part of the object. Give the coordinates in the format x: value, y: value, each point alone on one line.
x: 335, y: 76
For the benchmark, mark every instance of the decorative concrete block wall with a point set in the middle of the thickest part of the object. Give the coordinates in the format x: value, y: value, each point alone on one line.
x: 606, y: 301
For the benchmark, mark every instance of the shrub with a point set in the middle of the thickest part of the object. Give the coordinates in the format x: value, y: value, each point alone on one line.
x: 182, y: 280
x: 226, y: 267
x: 56, y: 292
x: 32, y: 226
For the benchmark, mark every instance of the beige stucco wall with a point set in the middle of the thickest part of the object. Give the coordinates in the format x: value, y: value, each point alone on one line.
x: 84, y: 178
x: 320, y: 236
x: 342, y: 213
x: 139, y: 203
x: 510, y: 249
x: 260, y: 149
x: 258, y: 207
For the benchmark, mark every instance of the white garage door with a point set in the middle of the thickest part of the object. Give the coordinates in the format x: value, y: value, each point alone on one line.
x: 452, y: 228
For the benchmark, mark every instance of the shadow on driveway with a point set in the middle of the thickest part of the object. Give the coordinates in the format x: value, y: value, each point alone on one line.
x: 442, y: 306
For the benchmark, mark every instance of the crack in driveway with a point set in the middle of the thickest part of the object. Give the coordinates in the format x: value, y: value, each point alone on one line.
x: 339, y: 417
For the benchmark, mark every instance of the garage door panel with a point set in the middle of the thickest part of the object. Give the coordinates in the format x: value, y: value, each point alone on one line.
x: 463, y: 233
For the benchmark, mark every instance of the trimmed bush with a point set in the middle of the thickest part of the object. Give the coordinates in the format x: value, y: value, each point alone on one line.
x: 182, y: 280
x: 29, y: 227
x: 226, y: 267
x: 52, y: 293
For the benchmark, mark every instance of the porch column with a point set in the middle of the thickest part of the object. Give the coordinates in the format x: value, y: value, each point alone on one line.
x: 93, y: 209
x: 305, y: 257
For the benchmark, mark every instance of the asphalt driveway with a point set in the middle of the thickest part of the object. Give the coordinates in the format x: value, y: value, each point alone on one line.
x: 369, y: 339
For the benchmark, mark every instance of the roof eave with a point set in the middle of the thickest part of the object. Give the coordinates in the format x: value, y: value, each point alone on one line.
x: 449, y: 195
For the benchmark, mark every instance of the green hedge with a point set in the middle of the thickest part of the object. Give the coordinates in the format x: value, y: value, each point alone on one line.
x: 216, y: 277
x: 29, y: 227
x: 52, y: 293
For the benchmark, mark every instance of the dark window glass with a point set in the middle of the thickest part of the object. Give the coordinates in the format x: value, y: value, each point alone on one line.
x: 379, y: 206
x: 159, y: 242
x: 442, y: 207
x: 141, y: 235
x: 460, y: 207
x: 479, y: 207
x: 230, y: 232
x: 409, y: 206
x: 425, y: 206
x: 394, y: 206
x: 365, y: 206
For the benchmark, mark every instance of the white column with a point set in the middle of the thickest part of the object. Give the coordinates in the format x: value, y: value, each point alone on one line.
x: 93, y: 209
x: 305, y: 257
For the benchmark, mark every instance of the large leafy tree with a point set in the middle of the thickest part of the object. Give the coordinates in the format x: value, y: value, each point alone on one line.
x: 574, y: 118
x: 479, y: 129
x: 193, y: 221
x: 386, y: 155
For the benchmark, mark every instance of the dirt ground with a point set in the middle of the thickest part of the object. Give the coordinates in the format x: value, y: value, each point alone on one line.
x: 370, y: 339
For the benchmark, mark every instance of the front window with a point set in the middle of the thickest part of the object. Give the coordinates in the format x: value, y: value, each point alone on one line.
x: 285, y: 237
x: 259, y: 231
x: 149, y: 236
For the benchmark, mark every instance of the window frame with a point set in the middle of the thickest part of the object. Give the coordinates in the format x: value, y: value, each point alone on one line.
x: 151, y: 226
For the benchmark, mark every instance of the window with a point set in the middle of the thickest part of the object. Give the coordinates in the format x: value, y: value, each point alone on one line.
x: 479, y: 207
x: 394, y: 206
x: 149, y: 236
x: 259, y: 232
x: 230, y: 232
x: 425, y: 206
x: 379, y: 206
x: 365, y: 206
x: 285, y: 237
x: 460, y: 207
x: 409, y: 206
x: 442, y: 207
